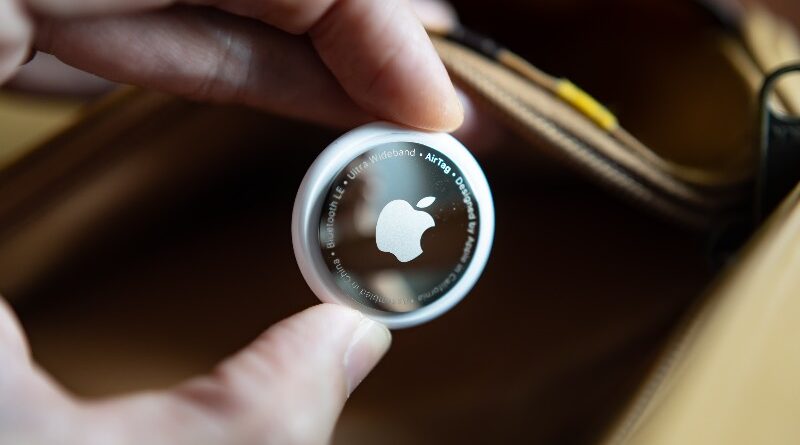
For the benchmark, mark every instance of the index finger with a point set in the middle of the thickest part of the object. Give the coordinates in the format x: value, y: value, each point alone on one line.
x: 377, y: 49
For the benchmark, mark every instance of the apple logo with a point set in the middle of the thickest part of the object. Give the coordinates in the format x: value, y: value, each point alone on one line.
x: 400, y: 228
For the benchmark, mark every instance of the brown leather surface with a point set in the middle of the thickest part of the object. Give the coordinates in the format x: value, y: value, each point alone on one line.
x: 27, y: 121
x: 730, y: 376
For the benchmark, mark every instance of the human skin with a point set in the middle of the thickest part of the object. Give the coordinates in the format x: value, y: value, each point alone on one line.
x: 337, y: 62
x: 287, y: 387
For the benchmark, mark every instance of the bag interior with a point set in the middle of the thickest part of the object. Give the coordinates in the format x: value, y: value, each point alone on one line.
x: 580, y: 291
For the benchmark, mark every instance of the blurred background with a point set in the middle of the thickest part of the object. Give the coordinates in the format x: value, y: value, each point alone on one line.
x: 143, y: 238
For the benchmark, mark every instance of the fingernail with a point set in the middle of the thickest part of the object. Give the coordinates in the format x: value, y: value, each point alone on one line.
x: 467, y: 110
x: 453, y: 111
x: 370, y: 342
x: 436, y: 16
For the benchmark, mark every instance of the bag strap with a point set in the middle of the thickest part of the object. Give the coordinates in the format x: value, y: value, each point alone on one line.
x: 559, y: 118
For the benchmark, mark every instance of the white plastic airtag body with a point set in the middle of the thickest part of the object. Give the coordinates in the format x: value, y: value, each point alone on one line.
x: 396, y: 223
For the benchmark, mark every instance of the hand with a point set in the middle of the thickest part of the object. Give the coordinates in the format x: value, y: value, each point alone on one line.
x: 287, y: 387
x: 339, y: 62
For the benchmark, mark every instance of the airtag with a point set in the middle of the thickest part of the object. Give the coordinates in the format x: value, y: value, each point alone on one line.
x: 393, y: 222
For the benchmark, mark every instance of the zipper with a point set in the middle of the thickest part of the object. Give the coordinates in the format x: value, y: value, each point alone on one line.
x: 674, y: 199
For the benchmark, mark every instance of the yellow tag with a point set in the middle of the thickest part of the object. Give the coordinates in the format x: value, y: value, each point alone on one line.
x: 586, y: 104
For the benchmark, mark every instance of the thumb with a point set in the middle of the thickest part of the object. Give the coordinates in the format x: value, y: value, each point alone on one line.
x: 293, y: 381
x: 288, y: 386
